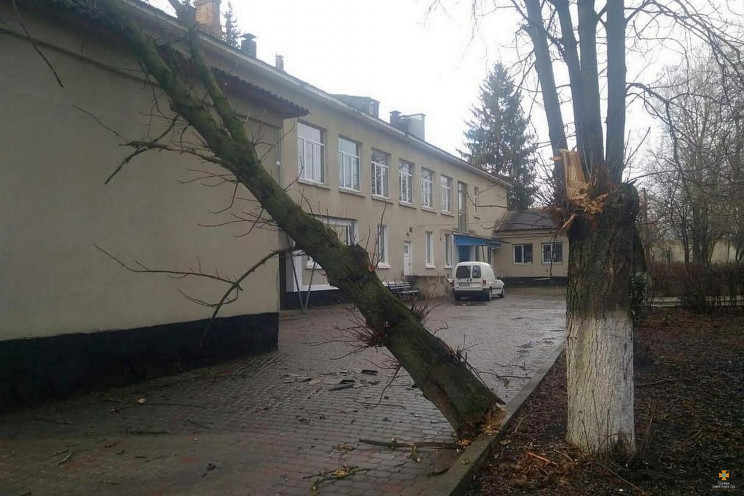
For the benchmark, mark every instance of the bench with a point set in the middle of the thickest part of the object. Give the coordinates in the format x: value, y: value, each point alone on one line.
x: 402, y: 289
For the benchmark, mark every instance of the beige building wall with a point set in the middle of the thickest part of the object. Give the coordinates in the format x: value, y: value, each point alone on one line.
x: 54, y: 206
x: 407, y: 222
x: 673, y: 251
x: 504, y: 263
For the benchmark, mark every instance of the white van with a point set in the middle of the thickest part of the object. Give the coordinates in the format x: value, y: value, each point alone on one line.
x: 476, y: 279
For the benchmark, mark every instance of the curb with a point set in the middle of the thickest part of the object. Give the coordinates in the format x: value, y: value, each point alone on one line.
x: 459, y: 477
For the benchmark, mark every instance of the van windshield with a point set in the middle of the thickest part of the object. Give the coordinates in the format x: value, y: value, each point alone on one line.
x: 476, y: 272
x: 463, y: 272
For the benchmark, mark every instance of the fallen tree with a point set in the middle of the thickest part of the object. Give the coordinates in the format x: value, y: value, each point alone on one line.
x: 440, y: 372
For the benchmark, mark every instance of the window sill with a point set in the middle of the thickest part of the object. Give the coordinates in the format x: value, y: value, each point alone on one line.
x: 429, y: 266
x: 428, y: 209
x: 382, y: 265
x: 382, y: 199
x: 407, y: 205
x: 348, y: 191
x: 447, y: 266
x: 552, y: 263
x: 522, y: 263
x: 448, y: 214
x: 477, y: 216
x: 313, y: 183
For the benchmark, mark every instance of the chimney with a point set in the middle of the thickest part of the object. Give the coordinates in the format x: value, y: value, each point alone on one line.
x: 396, y: 121
x: 415, y: 125
x: 208, y: 16
x: 248, y: 45
x: 279, y: 62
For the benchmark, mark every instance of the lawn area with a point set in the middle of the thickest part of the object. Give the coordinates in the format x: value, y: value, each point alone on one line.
x: 689, y: 420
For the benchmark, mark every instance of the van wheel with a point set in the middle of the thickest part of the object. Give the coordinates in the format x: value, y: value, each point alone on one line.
x: 503, y: 292
x: 489, y: 294
x: 458, y: 297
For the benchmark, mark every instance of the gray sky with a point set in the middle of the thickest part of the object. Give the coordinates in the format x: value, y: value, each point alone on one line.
x: 390, y: 50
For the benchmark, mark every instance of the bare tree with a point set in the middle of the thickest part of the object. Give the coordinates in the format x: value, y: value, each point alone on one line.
x: 695, y: 171
x: 195, y: 95
x: 579, y: 50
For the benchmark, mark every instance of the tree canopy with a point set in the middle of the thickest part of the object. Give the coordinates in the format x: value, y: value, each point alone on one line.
x: 498, y: 140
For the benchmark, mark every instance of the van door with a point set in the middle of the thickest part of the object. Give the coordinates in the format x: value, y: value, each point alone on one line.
x: 462, y: 276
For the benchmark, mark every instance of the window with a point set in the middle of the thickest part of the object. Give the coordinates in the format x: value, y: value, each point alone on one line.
x: 382, y: 245
x: 429, y: 249
x: 446, y: 200
x: 523, y: 254
x: 476, y: 272
x: 476, y: 192
x: 348, y: 164
x: 462, y: 207
x: 552, y: 253
x: 405, y: 171
x: 427, y: 187
x: 380, y: 163
x: 448, y: 250
x: 310, y: 153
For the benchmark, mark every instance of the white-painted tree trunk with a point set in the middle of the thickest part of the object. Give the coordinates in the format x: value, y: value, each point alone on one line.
x: 599, y: 355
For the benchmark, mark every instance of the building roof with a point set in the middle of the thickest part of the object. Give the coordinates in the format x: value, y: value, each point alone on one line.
x: 525, y: 220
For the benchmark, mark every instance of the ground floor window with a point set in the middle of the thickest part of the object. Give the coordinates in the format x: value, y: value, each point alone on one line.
x: 448, y: 250
x: 429, y: 249
x: 552, y: 253
x: 523, y: 254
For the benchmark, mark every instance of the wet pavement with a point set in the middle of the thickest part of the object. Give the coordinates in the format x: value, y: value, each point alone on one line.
x: 271, y: 424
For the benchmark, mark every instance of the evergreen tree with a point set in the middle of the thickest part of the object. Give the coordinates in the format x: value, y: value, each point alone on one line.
x: 232, y: 33
x: 498, y: 140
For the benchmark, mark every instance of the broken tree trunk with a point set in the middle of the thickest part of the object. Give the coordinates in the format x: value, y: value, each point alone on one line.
x: 599, y: 347
x: 440, y: 373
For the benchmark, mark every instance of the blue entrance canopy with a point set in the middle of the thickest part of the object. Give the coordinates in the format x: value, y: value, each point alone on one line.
x: 470, y: 240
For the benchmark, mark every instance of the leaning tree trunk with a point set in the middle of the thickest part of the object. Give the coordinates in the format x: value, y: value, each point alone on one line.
x: 600, y: 329
x: 441, y: 374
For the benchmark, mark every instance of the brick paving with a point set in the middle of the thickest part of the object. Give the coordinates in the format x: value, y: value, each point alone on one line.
x: 269, y: 424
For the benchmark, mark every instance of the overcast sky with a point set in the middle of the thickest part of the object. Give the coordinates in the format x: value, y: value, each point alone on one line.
x: 390, y: 50
x: 411, y: 59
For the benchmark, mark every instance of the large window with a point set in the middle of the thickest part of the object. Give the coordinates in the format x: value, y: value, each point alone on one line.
x: 552, y: 253
x: 382, y: 244
x: 380, y: 165
x: 476, y: 192
x: 427, y: 188
x: 310, y: 153
x: 448, y: 250
x: 405, y: 171
x: 348, y: 164
x: 446, y: 188
x: 523, y: 254
x: 462, y: 207
x: 429, y: 249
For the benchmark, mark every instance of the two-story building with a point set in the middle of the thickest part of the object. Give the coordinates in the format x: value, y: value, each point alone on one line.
x: 77, y: 301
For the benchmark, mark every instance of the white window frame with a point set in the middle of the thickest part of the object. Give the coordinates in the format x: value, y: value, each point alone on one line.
x: 552, y: 253
x: 476, y: 192
x: 448, y: 251
x: 429, y: 235
x: 514, y: 253
x: 380, y: 170
x: 313, y: 172
x: 382, y: 247
x: 348, y: 167
x: 445, y: 199
x: 427, y: 188
x: 405, y: 180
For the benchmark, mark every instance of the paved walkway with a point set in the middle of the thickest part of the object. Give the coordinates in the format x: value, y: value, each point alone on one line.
x: 269, y: 424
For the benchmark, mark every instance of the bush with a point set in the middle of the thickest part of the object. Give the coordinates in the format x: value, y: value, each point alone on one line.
x: 700, y: 288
